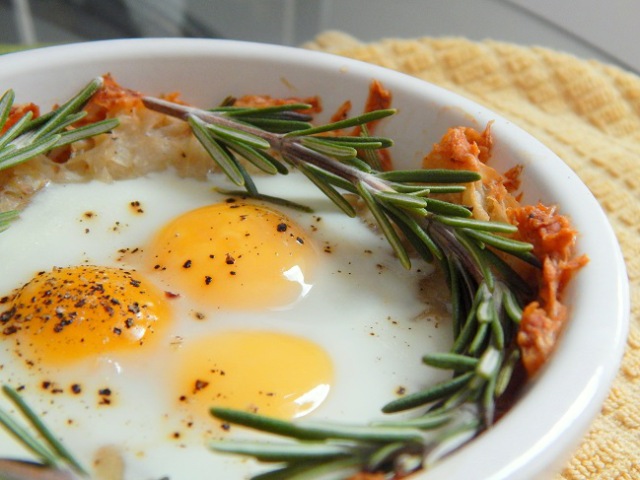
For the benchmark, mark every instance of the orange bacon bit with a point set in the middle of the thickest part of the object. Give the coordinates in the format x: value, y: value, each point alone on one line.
x: 464, y: 148
x: 342, y: 113
x: 17, y: 112
x: 379, y: 98
x: 550, y: 233
x: 553, y: 241
x: 112, y: 98
x: 512, y: 176
x: 109, y: 99
x: 461, y: 148
x: 492, y: 198
x: 260, y: 101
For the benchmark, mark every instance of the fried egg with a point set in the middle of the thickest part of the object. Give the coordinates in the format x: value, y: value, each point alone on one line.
x: 128, y: 309
x: 234, y: 255
x: 67, y: 314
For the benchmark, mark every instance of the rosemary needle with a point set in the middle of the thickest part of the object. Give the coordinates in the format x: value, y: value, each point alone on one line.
x: 50, y: 451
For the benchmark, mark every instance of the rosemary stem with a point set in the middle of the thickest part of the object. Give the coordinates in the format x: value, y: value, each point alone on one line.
x: 290, y: 147
x: 298, y: 155
x: 444, y: 235
x: 184, y: 111
x: 52, y: 442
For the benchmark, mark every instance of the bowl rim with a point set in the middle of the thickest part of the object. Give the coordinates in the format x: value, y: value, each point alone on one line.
x: 547, y: 439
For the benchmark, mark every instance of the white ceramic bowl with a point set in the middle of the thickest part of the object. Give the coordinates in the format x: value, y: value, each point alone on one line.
x: 540, y: 431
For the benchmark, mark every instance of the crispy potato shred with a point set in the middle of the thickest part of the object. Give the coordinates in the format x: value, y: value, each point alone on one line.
x: 147, y: 141
x: 494, y: 198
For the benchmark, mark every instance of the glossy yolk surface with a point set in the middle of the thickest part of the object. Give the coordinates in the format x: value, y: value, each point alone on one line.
x: 71, y: 313
x: 233, y: 255
x: 269, y: 373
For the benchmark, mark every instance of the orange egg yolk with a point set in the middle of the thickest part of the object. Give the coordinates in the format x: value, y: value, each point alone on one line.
x: 71, y: 313
x: 269, y: 373
x: 233, y: 255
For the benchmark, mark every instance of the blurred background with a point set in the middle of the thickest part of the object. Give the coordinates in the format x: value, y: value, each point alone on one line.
x: 597, y: 29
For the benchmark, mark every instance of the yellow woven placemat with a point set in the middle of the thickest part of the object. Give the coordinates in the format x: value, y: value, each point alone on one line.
x: 589, y: 114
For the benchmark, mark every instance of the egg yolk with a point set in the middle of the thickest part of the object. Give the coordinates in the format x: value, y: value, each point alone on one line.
x: 71, y: 313
x: 234, y: 255
x: 269, y: 373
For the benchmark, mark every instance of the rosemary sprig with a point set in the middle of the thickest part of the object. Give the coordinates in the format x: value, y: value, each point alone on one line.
x: 43, y: 445
x: 487, y: 294
x: 29, y: 137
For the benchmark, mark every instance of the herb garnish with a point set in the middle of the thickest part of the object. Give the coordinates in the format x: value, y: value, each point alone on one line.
x: 487, y: 295
x: 29, y: 137
x: 43, y: 445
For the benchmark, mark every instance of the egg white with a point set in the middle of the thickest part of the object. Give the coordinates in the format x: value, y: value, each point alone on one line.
x: 364, y: 309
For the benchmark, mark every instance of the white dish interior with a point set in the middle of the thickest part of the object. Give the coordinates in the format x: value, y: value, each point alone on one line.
x: 558, y: 405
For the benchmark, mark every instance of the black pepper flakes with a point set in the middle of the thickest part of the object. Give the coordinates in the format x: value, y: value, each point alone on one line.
x: 10, y: 330
x: 187, y: 264
x: 282, y: 227
x: 200, y: 385
x: 136, y: 206
x: 8, y: 315
x: 58, y: 327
